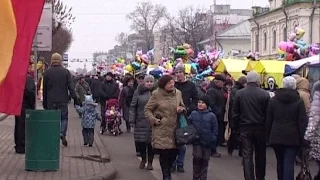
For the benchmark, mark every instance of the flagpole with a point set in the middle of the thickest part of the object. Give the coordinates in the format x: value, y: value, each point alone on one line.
x: 35, y: 54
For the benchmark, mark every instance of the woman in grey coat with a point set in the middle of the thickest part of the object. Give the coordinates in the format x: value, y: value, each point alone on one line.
x: 142, y: 128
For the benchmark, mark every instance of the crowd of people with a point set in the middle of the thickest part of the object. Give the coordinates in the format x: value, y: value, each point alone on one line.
x: 237, y: 114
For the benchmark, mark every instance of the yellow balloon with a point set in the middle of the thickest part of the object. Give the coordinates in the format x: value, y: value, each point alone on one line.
x: 210, y: 78
x: 281, y: 52
x: 168, y: 66
x: 128, y: 68
x: 122, y: 61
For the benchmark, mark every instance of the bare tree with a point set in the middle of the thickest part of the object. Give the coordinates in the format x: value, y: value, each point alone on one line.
x: 122, y: 38
x: 190, y: 26
x: 62, y: 15
x: 145, y: 18
x: 61, y: 29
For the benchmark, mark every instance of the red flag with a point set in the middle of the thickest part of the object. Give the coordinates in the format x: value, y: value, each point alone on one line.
x: 18, y: 24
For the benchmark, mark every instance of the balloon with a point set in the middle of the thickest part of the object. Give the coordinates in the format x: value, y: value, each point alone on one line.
x: 129, y: 68
x: 290, y: 47
x: 292, y: 36
x: 300, y: 32
x: 281, y: 52
x: 136, y: 65
x: 282, y: 45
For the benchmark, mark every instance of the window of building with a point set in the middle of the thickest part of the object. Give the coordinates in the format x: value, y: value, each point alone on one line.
x: 265, y: 41
x: 256, y: 39
x: 284, y: 33
x: 274, y: 39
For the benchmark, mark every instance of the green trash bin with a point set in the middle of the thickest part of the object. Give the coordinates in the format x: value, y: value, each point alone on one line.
x: 42, y: 140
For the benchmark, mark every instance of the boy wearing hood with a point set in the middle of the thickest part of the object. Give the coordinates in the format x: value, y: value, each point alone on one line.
x: 89, y: 115
x: 304, y: 92
x: 206, y: 124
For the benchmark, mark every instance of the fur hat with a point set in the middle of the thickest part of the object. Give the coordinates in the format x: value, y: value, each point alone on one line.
x: 56, y: 59
x: 164, y: 80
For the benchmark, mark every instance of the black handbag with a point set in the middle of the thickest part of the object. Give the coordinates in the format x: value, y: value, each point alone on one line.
x: 304, y: 173
x: 185, y: 132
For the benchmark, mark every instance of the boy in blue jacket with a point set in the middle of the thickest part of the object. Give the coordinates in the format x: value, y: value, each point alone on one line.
x: 206, y: 124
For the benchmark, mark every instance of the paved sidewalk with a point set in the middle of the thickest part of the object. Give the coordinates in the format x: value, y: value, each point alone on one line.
x: 77, y: 162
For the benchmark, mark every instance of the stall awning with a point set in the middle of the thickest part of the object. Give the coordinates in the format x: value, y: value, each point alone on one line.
x: 233, y: 66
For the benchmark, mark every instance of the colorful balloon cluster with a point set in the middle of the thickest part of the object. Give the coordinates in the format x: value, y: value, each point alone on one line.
x: 201, y: 66
x: 295, y: 48
x: 140, y: 63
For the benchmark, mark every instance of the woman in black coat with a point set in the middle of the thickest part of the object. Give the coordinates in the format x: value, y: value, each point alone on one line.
x: 286, y: 125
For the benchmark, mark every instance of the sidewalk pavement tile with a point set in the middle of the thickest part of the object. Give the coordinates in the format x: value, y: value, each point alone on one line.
x: 74, y: 163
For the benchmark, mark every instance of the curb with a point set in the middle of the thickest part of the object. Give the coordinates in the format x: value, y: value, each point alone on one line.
x: 110, y: 175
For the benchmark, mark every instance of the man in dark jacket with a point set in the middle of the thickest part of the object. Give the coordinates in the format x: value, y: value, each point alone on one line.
x: 190, y: 100
x: 233, y: 142
x: 109, y: 90
x: 28, y: 102
x: 217, y: 105
x: 57, y: 82
x: 95, y: 87
x: 249, y: 116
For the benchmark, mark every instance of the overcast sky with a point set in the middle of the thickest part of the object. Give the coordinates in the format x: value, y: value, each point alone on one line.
x: 99, y: 21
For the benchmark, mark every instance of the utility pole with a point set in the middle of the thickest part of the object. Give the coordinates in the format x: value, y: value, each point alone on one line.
x: 35, y: 65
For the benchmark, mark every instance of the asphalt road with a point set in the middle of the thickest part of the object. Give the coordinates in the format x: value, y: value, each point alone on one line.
x: 122, y: 152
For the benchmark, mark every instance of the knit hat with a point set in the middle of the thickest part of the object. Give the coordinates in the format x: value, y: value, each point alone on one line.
x: 56, y: 58
x: 164, y: 80
x: 242, y: 80
x: 89, y: 100
x: 179, y: 69
x: 289, y: 82
x: 205, y: 99
x: 148, y: 78
x: 253, y: 77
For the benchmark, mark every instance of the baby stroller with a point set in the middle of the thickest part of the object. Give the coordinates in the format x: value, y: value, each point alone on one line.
x: 113, y: 117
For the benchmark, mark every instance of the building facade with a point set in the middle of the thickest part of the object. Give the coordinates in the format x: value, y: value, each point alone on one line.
x: 270, y: 28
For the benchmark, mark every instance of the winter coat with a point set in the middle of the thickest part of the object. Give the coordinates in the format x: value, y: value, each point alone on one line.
x: 95, y: 86
x: 164, y: 105
x: 189, y: 94
x: 108, y: 90
x: 125, y: 99
x: 57, y: 82
x: 250, y: 108
x: 303, y: 89
x: 89, y: 115
x: 81, y: 89
x: 29, y: 99
x: 232, y: 96
x: 217, y: 101
x: 313, y: 129
x: 206, y: 124
x: 286, y: 118
x: 142, y: 128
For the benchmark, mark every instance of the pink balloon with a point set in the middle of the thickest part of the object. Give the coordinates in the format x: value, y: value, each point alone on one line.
x: 283, y: 45
x: 290, y: 47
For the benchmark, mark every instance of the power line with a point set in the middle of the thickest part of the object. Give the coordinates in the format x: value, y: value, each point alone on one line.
x: 100, y: 14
